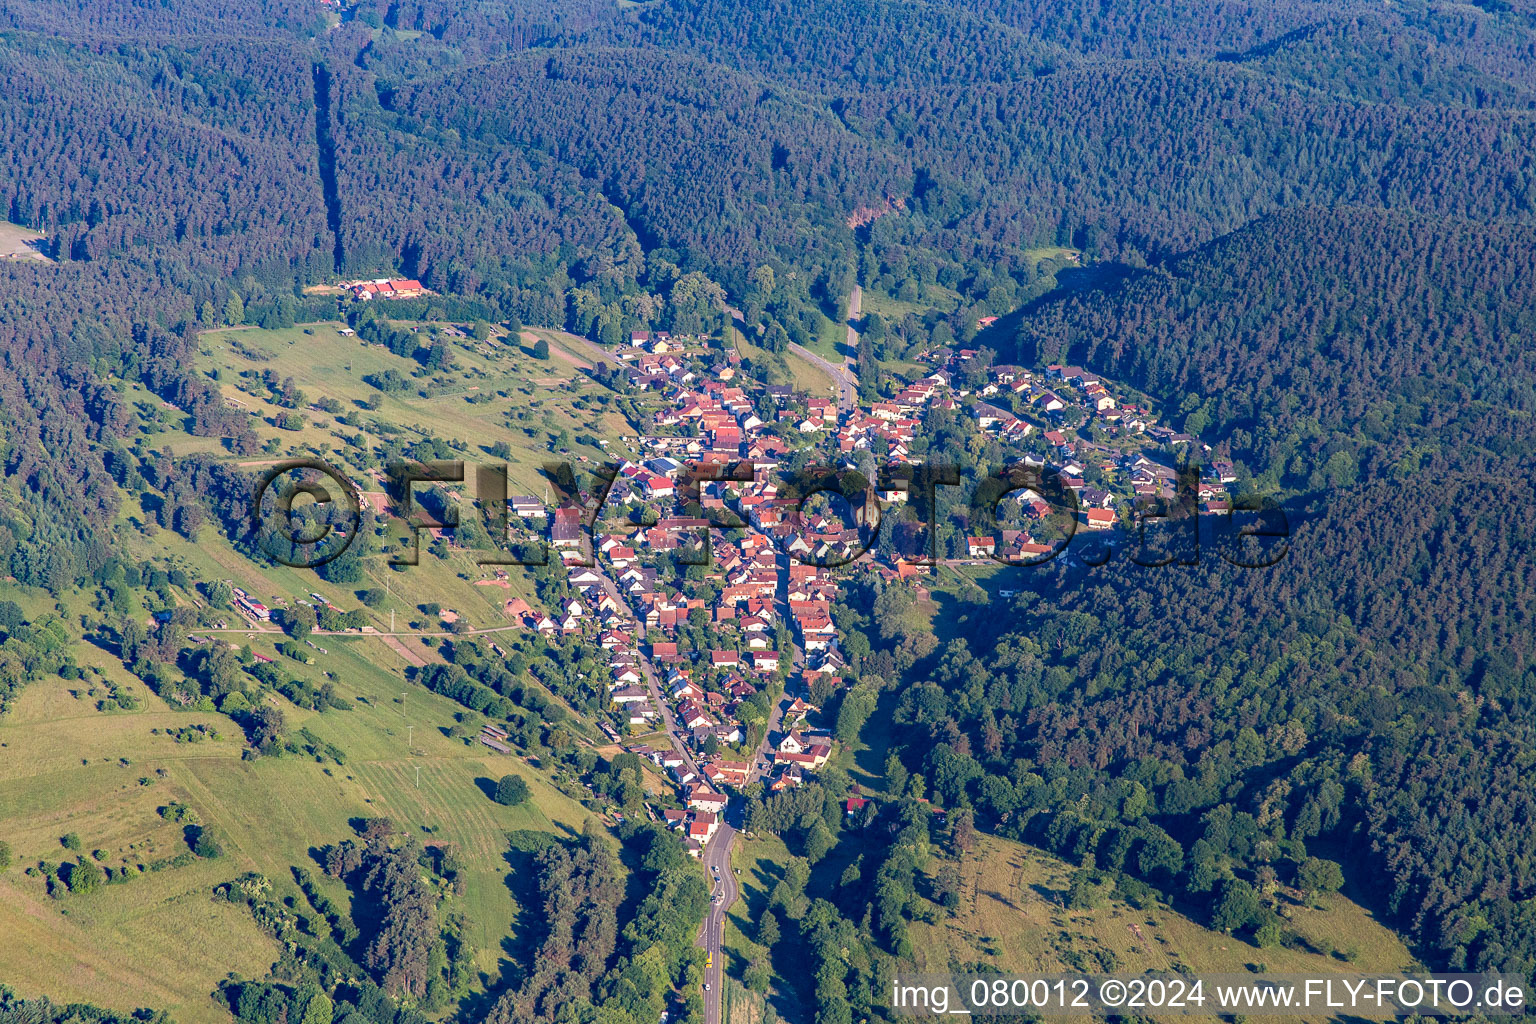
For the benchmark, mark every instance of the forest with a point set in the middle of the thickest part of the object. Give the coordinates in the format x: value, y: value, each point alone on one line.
x: 1213, y: 731
x: 1303, y: 228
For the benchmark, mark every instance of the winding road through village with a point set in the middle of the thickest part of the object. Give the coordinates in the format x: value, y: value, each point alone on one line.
x: 723, y: 889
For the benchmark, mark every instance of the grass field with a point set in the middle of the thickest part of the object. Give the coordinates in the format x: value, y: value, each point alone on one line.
x: 760, y: 863
x: 1048, y: 252
x: 495, y: 391
x: 864, y: 758
x: 65, y: 767
x: 831, y: 340
x: 938, y: 297
x: 891, y: 309
x: 809, y: 377
x: 1011, y: 916
x: 15, y: 243
x: 453, y: 582
x: 804, y: 375
x: 742, y: 1006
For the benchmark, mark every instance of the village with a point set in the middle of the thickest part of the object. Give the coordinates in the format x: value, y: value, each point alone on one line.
x: 709, y: 585
x: 768, y: 570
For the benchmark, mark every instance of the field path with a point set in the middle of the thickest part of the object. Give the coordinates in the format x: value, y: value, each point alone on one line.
x: 588, y: 346
x: 410, y: 656
x: 558, y: 351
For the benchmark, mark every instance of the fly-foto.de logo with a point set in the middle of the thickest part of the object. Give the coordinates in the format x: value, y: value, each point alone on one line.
x: 307, y: 512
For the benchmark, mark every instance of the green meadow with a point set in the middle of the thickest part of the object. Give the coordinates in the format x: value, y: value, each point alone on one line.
x: 492, y: 391
x: 1013, y: 915
x: 496, y: 404
x: 66, y: 768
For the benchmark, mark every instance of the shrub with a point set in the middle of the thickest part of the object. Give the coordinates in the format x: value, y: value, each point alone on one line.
x: 179, y: 813
x: 203, y: 843
x: 511, y: 790
x: 84, y: 877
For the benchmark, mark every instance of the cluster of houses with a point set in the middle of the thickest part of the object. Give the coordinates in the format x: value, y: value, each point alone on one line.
x: 384, y: 288
x: 770, y: 616
x: 589, y: 608
x: 717, y: 441
x: 250, y: 607
x: 752, y: 604
x: 1060, y: 395
x: 699, y: 822
x: 712, y: 416
x: 628, y: 597
x: 706, y: 468
x: 797, y: 753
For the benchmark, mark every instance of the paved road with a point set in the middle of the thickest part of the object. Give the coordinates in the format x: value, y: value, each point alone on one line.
x: 717, y: 854
x: 846, y: 385
x: 592, y: 348
x: 762, y: 758
x: 652, y: 677
x: 843, y: 373
x: 717, y: 858
x: 855, y: 307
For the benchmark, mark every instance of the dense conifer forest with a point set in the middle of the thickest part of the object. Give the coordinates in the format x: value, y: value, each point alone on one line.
x: 1308, y: 226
